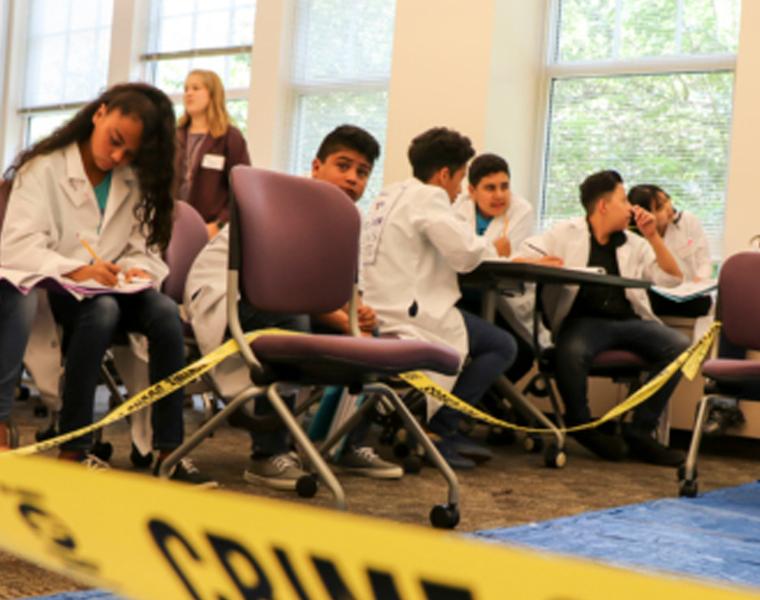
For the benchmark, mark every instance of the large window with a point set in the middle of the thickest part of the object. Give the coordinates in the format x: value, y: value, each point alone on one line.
x: 341, y: 69
x: 66, y: 60
x: 643, y: 87
x: 202, y: 34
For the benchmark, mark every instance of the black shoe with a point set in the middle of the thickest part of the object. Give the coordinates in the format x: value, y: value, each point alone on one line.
x: 604, y: 445
x: 644, y: 447
x: 186, y: 472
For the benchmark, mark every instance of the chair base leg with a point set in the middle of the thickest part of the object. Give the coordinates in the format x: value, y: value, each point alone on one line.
x: 447, y: 515
x: 687, y: 474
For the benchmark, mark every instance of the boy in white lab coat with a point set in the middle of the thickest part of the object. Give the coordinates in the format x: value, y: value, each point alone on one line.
x: 345, y: 158
x: 413, y: 248
x: 493, y: 210
x: 588, y: 319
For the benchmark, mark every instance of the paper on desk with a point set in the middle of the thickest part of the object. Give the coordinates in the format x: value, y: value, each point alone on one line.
x: 687, y: 290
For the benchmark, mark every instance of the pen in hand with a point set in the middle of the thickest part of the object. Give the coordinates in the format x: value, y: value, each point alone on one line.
x: 537, y: 249
x: 90, y: 250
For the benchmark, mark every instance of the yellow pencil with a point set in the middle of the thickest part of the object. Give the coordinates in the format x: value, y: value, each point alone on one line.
x: 90, y: 250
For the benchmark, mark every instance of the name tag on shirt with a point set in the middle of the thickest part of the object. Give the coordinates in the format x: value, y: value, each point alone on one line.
x: 213, y: 161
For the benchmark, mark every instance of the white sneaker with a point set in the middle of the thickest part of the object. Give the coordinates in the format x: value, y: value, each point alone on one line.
x: 92, y: 462
x: 365, y: 461
x: 280, y: 472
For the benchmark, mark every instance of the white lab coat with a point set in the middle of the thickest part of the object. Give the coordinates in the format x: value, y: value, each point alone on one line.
x: 413, y: 247
x: 686, y: 239
x: 519, y: 213
x: 517, y: 309
x: 51, y: 206
x: 206, y: 308
x: 570, y: 240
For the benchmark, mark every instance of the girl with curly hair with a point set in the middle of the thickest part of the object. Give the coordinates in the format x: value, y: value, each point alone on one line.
x: 93, y: 201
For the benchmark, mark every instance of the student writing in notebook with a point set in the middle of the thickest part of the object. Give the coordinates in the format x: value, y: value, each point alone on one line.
x: 104, y: 176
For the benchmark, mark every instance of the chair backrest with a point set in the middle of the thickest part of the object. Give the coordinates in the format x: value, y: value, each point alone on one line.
x: 189, y: 236
x: 294, y: 241
x: 5, y: 192
x: 739, y: 299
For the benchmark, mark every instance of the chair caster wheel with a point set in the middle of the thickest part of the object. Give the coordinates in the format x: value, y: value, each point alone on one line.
x: 688, y: 488
x: 412, y: 464
x: 401, y: 450
x: 45, y: 434
x: 444, y: 516
x: 306, y: 486
x: 40, y: 411
x: 103, y: 450
x: 554, y: 458
x: 140, y: 460
x: 533, y: 444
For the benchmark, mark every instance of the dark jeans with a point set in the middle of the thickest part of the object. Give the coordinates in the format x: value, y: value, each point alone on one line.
x: 490, y: 351
x: 16, y: 315
x: 89, y: 327
x: 581, y: 339
x: 270, y: 443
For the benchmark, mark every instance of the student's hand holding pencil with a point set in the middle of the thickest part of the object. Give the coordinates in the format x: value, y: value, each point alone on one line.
x: 102, y: 271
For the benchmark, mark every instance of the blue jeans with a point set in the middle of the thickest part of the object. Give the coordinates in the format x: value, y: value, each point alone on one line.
x: 270, y: 443
x: 581, y: 339
x: 89, y: 327
x: 491, y: 351
x: 16, y: 314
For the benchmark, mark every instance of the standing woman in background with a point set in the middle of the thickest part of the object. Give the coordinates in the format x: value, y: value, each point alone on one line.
x: 208, y: 146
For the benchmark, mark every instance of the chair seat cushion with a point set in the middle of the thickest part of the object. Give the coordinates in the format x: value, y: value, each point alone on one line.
x: 342, y: 359
x: 730, y: 369
x: 619, y: 358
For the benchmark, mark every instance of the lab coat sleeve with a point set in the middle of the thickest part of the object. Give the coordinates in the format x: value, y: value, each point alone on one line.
x: 29, y: 229
x: 651, y: 270
x: 521, y: 228
x: 702, y: 253
x: 456, y: 242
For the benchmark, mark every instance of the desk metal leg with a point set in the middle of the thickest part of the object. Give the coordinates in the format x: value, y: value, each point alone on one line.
x: 554, y: 455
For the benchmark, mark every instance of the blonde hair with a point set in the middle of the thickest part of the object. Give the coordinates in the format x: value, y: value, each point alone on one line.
x: 216, y: 112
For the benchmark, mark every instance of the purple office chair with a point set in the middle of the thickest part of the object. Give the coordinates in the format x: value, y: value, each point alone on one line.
x: 294, y: 247
x: 189, y: 236
x: 732, y: 373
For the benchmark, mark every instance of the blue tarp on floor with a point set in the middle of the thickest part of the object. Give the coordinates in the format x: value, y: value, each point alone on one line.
x: 715, y: 536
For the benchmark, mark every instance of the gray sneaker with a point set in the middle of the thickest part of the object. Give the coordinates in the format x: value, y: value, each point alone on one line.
x: 280, y: 472
x: 365, y: 461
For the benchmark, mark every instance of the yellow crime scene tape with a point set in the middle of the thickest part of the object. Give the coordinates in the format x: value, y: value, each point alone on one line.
x: 688, y: 361
x: 151, y: 539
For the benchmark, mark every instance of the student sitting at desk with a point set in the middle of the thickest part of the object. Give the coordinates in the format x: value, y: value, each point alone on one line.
x: 685, y: 238
x: 491, y: 209
x: 345, y: 158
x: 588, y: 319
x: 413, y: 247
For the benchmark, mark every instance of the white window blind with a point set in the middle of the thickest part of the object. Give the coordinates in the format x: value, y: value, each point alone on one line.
x: 216, y: 35
x: 66, y: 60
x: 341, y: 69
x: 644, y: 87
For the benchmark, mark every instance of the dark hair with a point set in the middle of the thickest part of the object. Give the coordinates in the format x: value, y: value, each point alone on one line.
x: 597, y: 185
x: 484, y: 165
x: 437, y: 148
x: 153, y: 163
x: 645, y: 195
x: 349, y: 137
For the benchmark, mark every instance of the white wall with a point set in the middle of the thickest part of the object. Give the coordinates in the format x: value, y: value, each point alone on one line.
x: 743, y: 199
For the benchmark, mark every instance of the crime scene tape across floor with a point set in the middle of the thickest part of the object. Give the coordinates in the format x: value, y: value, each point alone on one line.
x: 145, y: 538
x: 689, y: 362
